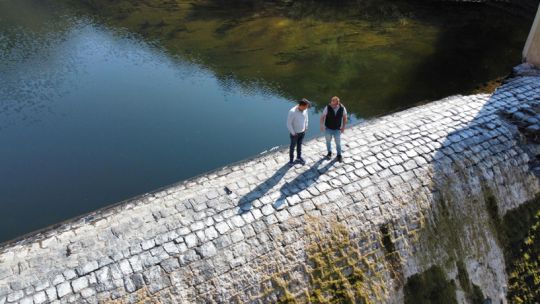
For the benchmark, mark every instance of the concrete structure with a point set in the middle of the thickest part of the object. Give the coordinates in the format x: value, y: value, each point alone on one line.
x: 250, y: 232
x: 531, y: 52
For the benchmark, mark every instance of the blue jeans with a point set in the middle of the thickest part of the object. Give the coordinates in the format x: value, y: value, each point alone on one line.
x: 337, y: 138
x: 296, y: 141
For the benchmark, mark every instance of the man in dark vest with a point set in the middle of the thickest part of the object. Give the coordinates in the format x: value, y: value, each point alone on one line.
x: 333, y: 122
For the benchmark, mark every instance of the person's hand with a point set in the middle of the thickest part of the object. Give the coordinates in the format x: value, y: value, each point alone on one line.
x: 322, y: 128
x: 294, y: 135
x: 342, y: 130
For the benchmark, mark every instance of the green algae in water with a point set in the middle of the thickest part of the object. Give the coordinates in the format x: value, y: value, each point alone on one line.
x: 378, y: 56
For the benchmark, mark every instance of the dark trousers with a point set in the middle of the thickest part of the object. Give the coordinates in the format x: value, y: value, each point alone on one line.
x: 296, y: 141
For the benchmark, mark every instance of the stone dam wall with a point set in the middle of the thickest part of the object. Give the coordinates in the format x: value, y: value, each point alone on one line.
x: 417, y: 189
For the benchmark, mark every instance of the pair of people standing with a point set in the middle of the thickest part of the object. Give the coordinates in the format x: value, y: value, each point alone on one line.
x: 333, y: 121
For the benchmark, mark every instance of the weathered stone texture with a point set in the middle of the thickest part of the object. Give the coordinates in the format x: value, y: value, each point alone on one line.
x: 225, y: 236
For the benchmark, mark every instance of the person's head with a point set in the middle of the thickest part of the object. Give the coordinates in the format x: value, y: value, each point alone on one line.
x: 303, y: 104
x: 334, y: 102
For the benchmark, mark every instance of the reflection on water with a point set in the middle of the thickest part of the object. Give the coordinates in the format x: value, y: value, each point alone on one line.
x: 112, y: 116
x: 102, y: 100
x: 379, y: 55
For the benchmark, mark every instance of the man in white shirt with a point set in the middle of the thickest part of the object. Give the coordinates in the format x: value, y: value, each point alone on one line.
x: 333, y: 122
x: 297, y: 123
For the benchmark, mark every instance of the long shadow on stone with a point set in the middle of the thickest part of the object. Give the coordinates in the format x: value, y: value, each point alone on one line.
x: 303, y: 181
x: 246, y: 201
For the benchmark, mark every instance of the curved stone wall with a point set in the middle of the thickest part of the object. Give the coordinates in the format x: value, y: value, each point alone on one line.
x: 415, y: 190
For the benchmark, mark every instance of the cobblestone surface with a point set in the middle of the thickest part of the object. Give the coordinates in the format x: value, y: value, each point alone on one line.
x: 219, y: 237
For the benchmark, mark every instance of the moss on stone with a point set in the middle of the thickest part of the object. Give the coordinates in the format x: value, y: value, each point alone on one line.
x: 338, y: 270
x: 493, y: 210
x: 142, y: 296
x: 285, y: 297
x: 477, y: 296
x: 455, y: 220
x: 430, y: 286
x: 489, y: 86
x: 518, y: 232
x: 336, y: 276
x: 521, y: 234
x: 472, y: 291
x: 516, y: 225
x: 391, y: 256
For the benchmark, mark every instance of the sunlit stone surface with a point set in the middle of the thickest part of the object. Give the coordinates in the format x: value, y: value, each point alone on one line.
x: 194, y: 242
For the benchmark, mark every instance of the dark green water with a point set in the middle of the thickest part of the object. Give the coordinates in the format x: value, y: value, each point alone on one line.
x: 103, y: 100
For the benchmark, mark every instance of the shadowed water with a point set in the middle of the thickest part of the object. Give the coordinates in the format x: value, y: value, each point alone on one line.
x: 101, y: 100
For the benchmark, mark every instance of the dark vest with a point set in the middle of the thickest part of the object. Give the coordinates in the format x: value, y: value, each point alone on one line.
x: 333, y: 120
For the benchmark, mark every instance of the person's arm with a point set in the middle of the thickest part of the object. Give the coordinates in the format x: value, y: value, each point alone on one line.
x: 345, y: 119
x: 290, y: 118
x: 323, y: 117
x: 307, y: 120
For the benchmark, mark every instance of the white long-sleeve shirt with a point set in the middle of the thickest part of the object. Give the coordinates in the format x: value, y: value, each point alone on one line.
x: 297, y: 121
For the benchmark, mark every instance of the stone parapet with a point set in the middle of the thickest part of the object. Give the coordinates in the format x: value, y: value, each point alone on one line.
x: 249, y: 232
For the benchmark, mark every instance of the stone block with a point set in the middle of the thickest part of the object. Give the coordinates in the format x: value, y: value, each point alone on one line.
x: 188, y: 257
x: 267, y: 209
x: 87, y: 293
x: 191, y: 240
x: 138, y: 280
x: 86, y: 268
x: 79, y: 284
x: 207, y: 250
x: 156, y: 279
x: 170, y: 265
x: 27, y: 300
x: 237, y: 236
x: 51, y: 294
x: 170, y: 248
x: 70, y: 274
x: 148, y: 244
x: 15, y: 296
x: 222, y: 242
x: 64, y: 289
x: 211, y: 233
x: 125, y: 267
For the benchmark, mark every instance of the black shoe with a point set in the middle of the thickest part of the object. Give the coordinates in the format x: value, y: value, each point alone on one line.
x: 290, y: 163
x: 301, y: 161
x: 339, y: 158
x: 329, y: 155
